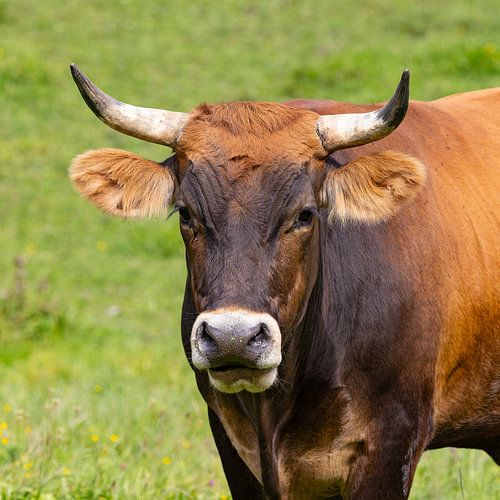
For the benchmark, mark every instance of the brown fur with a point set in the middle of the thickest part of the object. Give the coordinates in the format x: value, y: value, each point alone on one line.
x: 242, y: 118
x: 372, y: 188
x: 122, y: 183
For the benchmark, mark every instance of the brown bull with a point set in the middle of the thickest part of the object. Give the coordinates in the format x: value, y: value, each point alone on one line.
x: 341, y: 305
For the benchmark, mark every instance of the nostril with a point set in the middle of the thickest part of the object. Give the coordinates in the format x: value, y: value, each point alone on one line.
x: 204, y: 338
x: 204, y: 335
x: 261, y: 337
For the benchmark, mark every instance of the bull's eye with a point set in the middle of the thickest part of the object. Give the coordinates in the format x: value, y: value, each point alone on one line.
x: 184, y: 215
x: 305, y: 218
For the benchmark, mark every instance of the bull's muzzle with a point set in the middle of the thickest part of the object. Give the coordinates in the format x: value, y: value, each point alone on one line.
x: 240, y: 349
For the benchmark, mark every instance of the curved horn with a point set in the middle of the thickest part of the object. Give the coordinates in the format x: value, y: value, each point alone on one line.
x: 348, y: 130
x: 152, y: 125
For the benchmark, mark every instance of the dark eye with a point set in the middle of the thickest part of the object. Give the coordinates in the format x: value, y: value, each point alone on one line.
x: 184, y: 215
x: 305, y: 218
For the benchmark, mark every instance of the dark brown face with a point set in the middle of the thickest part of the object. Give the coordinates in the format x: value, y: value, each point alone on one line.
x: 251, y: 235
x: 250, y: 241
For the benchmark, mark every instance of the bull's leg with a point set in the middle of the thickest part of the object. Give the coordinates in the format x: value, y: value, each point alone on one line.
x: 385, y: 472
x: 241, y: 481
x: 379, y: 485
x: 383, y: 479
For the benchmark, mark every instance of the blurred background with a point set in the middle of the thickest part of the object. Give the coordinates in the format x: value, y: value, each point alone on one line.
x: 96, y: 397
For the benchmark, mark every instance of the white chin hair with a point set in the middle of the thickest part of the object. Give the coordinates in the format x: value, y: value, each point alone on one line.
x: 255, y: 384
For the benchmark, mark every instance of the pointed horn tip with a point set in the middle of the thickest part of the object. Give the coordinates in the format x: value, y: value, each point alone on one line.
x: 402, y: 92
x: 74, y: 69
x: 404, y: 84
x: 77, y: 74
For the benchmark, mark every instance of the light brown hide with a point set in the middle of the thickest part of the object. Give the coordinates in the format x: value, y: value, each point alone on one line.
x: 470, y: 292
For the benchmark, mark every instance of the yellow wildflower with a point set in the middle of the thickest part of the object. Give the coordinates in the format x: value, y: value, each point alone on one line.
x: 27, y: 429
x: 98, y: 388
x: 223, y: 497
x: 94, y: 438
x: 166, y: 460
x: 101, y: 246
x: 4, y: 426
x: 114, y: 438
x: 186, y: 444
x: 7, y: 408
x: 5, y: 440
x: 30, y: 249
x: 489, y: 48
x: 28, y: 465
x: 66, y: 471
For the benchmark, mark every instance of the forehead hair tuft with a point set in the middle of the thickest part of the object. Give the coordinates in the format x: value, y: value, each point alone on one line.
x: 256, y: 118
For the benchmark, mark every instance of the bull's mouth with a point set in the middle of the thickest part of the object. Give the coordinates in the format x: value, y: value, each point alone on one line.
x: 229, y: 367
x: 233, y: 378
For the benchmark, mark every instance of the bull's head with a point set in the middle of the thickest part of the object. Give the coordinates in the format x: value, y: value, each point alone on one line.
x: 248, y: 180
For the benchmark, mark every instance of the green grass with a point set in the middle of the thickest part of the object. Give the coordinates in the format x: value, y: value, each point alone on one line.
x: 89, y: 315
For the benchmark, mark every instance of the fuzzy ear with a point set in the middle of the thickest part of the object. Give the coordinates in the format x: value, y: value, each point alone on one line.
x: 122, y: 183
x: 372, y: 188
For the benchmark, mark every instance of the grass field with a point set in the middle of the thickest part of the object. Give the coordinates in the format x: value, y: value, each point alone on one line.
x: 96, y: 398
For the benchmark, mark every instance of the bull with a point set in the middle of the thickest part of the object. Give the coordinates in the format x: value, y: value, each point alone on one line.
x: 341, y: 305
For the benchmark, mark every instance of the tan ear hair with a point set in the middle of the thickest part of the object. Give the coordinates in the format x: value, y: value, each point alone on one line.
x: 122, y: 183
x: 372, y: 188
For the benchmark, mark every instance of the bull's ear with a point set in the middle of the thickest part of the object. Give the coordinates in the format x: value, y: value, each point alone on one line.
x: 372, y: 188
x: 122, y: 183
